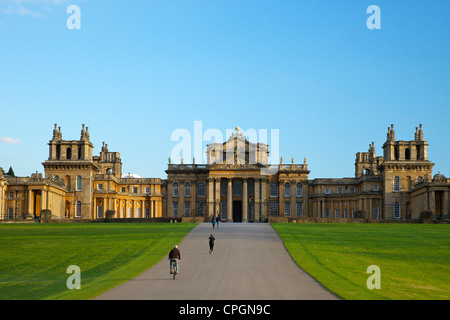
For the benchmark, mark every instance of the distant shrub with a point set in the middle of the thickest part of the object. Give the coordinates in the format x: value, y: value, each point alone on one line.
x: 426, y: 214
x: 360, y: 214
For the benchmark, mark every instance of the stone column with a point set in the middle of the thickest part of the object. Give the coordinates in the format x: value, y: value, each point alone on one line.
x: 30, y: 203
x: 280, y: 198
x: 432, y: 201
x: 210, y: 198
x: 194, y: 196
x: 444, y: 210
x: 44, y: 200
x: 217, y: 197
x: 152, y: 209
x: 257, y: 200
x: 293, y: 199
x: 181, y: 191
x: 322, y: 212
x: 263, y: 199
x: 230, y: 200
x: 245, y: 201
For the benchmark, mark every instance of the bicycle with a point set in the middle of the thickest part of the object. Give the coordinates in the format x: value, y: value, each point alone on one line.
x: 174, y: 268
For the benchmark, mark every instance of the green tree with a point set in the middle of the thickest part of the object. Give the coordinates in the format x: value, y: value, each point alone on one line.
x: 11, y: 172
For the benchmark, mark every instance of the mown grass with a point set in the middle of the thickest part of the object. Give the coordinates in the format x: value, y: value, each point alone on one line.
x: 34, y: 258
x: 414, y: 259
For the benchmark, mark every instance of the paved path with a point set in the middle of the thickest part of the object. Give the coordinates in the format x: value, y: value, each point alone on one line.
x: 249, y: 262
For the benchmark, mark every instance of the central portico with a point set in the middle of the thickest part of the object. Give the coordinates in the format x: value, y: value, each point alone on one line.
x: 237, y: 184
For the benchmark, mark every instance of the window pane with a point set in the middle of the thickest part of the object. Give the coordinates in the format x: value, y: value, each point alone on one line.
x: 273, y: 190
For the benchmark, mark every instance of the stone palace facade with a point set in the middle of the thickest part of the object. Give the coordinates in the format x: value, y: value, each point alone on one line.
x: 237, y: 184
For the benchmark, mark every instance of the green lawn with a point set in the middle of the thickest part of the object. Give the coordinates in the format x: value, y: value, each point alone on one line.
x: 34, y: 258
x: 414, y: 259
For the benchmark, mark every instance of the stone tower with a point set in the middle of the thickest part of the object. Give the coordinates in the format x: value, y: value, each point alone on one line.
x: 71, y: 162
x: 366, y: 163
x: 404, y: 162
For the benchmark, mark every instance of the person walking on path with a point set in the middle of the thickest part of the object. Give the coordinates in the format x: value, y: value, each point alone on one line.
x: 213, y: 221
x: 211, y: 243
x: 218, y: 221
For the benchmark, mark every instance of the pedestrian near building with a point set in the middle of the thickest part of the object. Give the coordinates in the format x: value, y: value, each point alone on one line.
x: 213, y: 221
x: 218, y: 221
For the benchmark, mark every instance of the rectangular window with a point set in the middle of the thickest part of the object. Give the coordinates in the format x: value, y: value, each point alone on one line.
x: 345, y: 213
x: 175, y: 209
x: 122, y: 210
x: 273, y: 190
x: 237, y: 188
x: 135, y: 190
x: 337, y: 213
x: 147, y: 190
x: 123, y: 189
x: 375, y: 212
x: 251, y: 188
x: 353, y: 213
x: 340, y: 190
x: 397, y: 210
x: 287, y: 190
x: 100, y: 186
x: 10, y: 195
x: 187, y: 209
x: 299, y: 209
x: 200, y: 208
x: 327, y: 213
x: 99, y: 212
x: 138, y: 212
x: 129, y: 213
x: 79, y: 183
x: 375, y: 187
x: 327, y: 191
x: 287, y: 209
x: 273, y: 208
x: 299, y: 189
x: 147, y: 212
x: 352, y: 190
x: 201, y: 189
x: 78, y: 209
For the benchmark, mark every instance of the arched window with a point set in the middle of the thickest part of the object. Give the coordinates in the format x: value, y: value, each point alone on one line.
x: 397, y: 210
x: 396, y: 183
x: 287, y: 190
x: 78, y: 209
x: 273, y: 190
x: 79, y: 183
x: 175, y: 189
x: 299, y: 189
x: 187, y: 189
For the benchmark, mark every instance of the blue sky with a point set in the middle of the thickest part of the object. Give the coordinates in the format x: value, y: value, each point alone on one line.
x: 137, y: 71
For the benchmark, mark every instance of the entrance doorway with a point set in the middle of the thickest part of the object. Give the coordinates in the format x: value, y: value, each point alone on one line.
x: 237, y: 211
